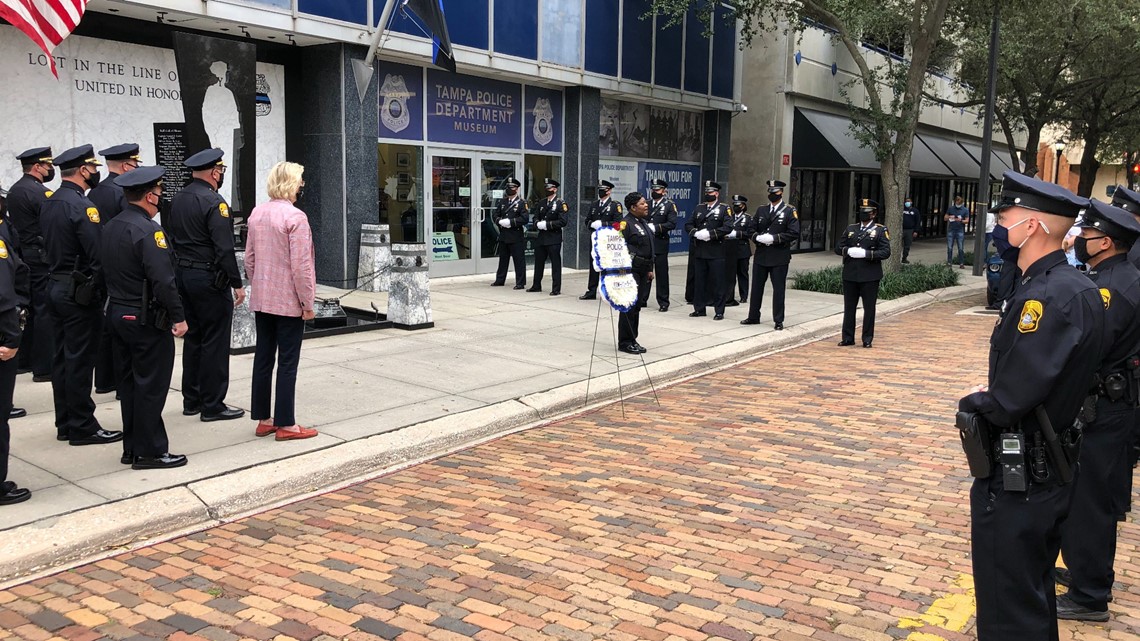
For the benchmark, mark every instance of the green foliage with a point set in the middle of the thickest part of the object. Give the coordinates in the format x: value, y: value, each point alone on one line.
x: 911, y: 279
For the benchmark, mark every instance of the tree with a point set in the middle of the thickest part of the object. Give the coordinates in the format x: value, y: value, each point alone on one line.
x: 894, y: 90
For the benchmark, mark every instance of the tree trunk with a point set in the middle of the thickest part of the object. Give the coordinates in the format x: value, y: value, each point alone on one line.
x: 896, y: 181
x: 1031, y: 144
x: 1089, y: 164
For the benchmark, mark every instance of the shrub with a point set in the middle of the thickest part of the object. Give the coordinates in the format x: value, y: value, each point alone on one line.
x: 911, y: 279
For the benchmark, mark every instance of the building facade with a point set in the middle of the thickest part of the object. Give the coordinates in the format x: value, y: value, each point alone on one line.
x: 576, y: 90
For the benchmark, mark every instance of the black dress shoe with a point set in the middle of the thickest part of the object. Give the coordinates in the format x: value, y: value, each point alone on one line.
x: 1070, y: 610
x: 750, y: 321
x: 696, y: 314
x: 533, y: 289
x: 128, y: 458
x: 191, y: 411
x: 1063, y: 577
x: 23, y: 370
x: 587, y: 296
x: 639, y: 348
x: 10, y: 494
x: 663, y: 308
x: 104, y: 390
x: 41, y: 378
x: 17, y: 412
x: 718, y: 317
x: 228, y: 414
x: 159, y: 462
x: 846, y: 343
x: 62, y: 436
x: 555, y: 293
x: 498, y: 284
x: 520, y: 287
x: 731, y: 303
x: 867, y: 344
x: 628, y: 349
x: 743, y: 299
x: 779, y: 327
x: 100, y: 437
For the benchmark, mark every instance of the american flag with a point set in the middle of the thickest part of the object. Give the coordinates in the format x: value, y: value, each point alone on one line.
x: 46, y: 22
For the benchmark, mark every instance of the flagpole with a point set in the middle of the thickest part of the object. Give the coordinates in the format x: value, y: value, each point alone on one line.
x: 363, y: 69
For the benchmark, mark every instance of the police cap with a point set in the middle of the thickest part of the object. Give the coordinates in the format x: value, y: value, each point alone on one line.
x: 1022, y: 191
x: 550, y: 182
x: 607, y: 184
x: 205, y: 159
x: 738, y: 198
x: 35, y: 155
x: 511, y: 181
x: 775, y: 186
x: 866, y: 204
x: 657, y: 183
x: 127, y: 151
x: 1115, y: 222
x: 76, y: 157
x: 141, y: 178
x: 1127, y: 200
x: 712, y: 185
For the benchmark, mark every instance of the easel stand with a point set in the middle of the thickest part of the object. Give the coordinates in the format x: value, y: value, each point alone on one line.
x: 617, y: 358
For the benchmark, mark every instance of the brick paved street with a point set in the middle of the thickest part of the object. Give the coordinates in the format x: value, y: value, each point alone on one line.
x: 819, y: 493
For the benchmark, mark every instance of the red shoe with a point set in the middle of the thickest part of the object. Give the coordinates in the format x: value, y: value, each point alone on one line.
x: 290, y: 435
x: 265, y: 429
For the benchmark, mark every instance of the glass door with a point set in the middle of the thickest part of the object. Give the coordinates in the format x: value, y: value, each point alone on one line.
x: 466, y: 188
x: 493, y: 191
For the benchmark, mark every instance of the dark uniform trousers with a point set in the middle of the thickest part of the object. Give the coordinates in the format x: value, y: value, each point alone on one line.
x: 106, y: 376
x: 554, y: 253
x: 512, y: 252
x: 779, y: 276
x: 1015, y: 537
x: 77, y: 331
x: 1101, y: 492
x: 853, y: 292
x: 735, y: 269
x: 708, y: 284
x: 145, y: 355
x: 38, y: 341
x: 7, y: 386
x: 691, y: 273
x: 206, y: 346
x: 661, y: 277
x: 629, y: 322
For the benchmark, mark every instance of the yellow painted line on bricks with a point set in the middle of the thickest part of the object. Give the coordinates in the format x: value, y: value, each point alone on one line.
x: 950, y: 612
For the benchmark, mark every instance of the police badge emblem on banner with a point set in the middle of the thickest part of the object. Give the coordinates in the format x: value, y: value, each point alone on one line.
x: 543, y: 122
x: 394, y: 103
x: 611, y: 260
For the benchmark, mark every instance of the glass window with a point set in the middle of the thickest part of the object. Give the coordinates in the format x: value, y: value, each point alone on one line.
x: 400, y: 197
x: 562, y: 32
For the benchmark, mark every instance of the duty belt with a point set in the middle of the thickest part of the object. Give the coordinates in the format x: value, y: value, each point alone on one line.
x: 194, y: 264
x: 61, y: 278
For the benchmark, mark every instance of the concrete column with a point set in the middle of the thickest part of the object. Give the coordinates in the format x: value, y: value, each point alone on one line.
x: 580, y: 169
x: 339, y: 154
x: 409, y: 300
x: 375, y: 258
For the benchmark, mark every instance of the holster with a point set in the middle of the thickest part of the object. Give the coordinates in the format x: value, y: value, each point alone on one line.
x: 84, y: 291
x: 977, y: 443
x: 221, y: 280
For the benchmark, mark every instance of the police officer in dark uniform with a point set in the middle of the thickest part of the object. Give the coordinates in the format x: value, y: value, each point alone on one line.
x: 603, y: 212
x: 11, y: 244
x: 511, y: 216
x: 1103, y: 488
x: 549, y: 219
x: 639, y: 242
x: 662, y: 220
x: 710, y: 225
x: 737, y: 251
x: 911, y: 220
x: 201, y: 233
x: 71, y: 228
x: 1044, y: 353
x: 146, y: 314
x: 109, y: 200
x: 14, y: 296
x: 864, y: 246
x: 1129, y: 201
x: 24, y: 200
x: 775, y: 228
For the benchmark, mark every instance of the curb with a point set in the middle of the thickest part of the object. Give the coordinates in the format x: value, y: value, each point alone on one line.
x: 53, y: 544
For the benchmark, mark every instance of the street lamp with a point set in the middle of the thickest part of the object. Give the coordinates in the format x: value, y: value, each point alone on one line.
x: 1058, y: 146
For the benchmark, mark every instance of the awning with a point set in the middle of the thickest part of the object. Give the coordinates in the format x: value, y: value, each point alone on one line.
x: 1001, y: 153
x: 997, y: 165
x: 825, y: 141
x: 925, y: 161
x: 961, y: 164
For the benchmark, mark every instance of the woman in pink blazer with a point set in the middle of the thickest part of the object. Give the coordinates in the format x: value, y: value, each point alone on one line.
x: 283, y: 284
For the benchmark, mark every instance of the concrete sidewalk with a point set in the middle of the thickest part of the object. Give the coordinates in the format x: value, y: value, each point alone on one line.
x: 497, y: 360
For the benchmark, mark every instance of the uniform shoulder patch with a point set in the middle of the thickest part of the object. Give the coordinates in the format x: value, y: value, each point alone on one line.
x: 564, y: 207
x: 619, y: 208
x: 1031, y: 313
x: 93, y: 214
x: 224, y: 210
x: 160, y: 239
x: 48, y: 193
x: 795, y: 214
x: 3, y: 250
x: 1105, y: 297
x: 886, y: 233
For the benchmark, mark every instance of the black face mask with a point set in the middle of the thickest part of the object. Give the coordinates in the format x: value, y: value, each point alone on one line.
x: 738, y: 208
x: 658, y: 195
x: 551, y: 192
x: 94, y: 179
x: 1081, y: 249
x: 221, y: 179
x: 863, y: 216
x: 50, y: 175
x: 301, y: 192
x: 3, y: 207
x: 710, y: 198
x: 602, y: 193
x: 511, y: 191
x: 775, y: 197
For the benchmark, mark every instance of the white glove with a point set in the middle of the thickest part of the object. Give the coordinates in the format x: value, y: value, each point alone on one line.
x: 731, y: 234
x: 702, y: 234
x: 542, y: 225
x: 856, y: 252
x: 505, y: 223
x: 652, y: 228
x: 766, y: 239
x: 596, y: 225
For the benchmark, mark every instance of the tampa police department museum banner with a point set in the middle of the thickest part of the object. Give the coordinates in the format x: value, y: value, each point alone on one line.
x: 112, y: 92
x: 627, y: 176
x: 467, y: 110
